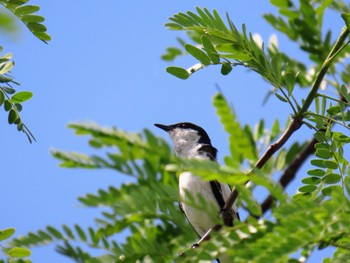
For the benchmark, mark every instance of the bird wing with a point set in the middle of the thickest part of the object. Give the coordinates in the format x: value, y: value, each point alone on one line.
x: 221, y: 192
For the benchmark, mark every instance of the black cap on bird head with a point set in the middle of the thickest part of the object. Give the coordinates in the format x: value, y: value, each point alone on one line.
x: 203, y: 136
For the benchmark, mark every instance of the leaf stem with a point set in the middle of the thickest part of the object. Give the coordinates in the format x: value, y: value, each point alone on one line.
x: 338, y: 46
x: 297, y: 120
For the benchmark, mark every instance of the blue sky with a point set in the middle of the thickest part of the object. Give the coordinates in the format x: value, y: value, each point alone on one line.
x: 103, y: 65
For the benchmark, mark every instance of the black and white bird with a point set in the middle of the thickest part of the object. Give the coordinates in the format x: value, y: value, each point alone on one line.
x: 192, y: 142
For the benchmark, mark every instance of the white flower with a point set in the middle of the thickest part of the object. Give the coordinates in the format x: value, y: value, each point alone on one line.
x: 273, y: 41
x: 258, y: 40
x: 323, y: 85
x: 310, y: 74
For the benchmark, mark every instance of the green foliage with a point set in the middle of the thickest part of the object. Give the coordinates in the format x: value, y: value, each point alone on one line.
x: 27, y: 14
x: 316, y: 217
x: 242, y: 145
x: 11, y: 100
x: 275, y: 241
x: 15, y: 253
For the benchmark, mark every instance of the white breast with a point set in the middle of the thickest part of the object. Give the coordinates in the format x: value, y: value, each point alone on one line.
x: 202, y: 219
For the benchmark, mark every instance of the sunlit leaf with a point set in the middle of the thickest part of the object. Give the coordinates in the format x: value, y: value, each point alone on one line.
x: 331, y: 178
x: 346, y: 18
x: 307, y: 188
x: 198, y: 54
x: 6, y: 233
x: 178, y: 72
x: 18, y: 252
x: 21, y: 96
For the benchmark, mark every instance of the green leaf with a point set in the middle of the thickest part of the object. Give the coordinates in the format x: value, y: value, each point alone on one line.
x: 323, y: 153
x: 346, y: 18
x: 6, y: 233
x: 21, y: 96
x: 290, y: 79
x: 280, y: 160
x: 226, y: 69
x: 275, y: 130
x: 280, y: 97
x: 345, y: 93
x: 324, y: 163
x: 25, y: 10
x: 2, y: 97
x: 233, y: 51
x: 210, y: 49
x: 42, y: 36
x: 171, y: 53
x: 280, y: 3
x: 276, y: 66
x: 18, y: 252
x: 311, y: 180
x: 327, y: 191
x: 316, y: 172
x: 53, y: 231
x: 5, y: 57
x: 80, y: 232
x: 241, y: 143
x: 178, y: 72
x: 173, y: 26
x: 12, y: 117
x: 6, y: 67
x: 7, y: 105
x: 334, y: 110
x: 32, y: 19
x: 8, y: 90
x: 331, y: 178
x: 68, y: 231
x: 18, y: 107
x: 198, y: 54
x: 307, y: 188
x: 36, y: 27
x: 330, y: 164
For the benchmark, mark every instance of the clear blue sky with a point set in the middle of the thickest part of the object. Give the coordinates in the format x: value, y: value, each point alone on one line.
x: 103, y: 65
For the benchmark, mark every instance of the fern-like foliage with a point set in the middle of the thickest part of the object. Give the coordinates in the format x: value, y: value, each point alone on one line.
x: 8, y: 96
x: 27, y: 14
x: 316, y: 217
x: 11, y: 100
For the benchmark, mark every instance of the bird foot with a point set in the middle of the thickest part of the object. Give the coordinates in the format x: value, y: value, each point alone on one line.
x: 195, y: 245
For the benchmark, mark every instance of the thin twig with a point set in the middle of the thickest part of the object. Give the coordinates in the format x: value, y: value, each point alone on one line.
x: 296, y: 122
x: 290, y: 172
x: 294, y: 125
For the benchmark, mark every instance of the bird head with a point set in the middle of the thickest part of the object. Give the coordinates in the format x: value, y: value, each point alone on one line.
x: 189, y: 139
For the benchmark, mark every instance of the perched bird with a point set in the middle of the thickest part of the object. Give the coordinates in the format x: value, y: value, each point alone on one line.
x: 192, y: 142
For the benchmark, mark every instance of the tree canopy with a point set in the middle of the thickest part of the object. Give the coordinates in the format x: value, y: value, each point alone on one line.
x: 299, y: 225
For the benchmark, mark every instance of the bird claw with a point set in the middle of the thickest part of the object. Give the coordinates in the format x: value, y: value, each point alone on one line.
x: 195, y: 245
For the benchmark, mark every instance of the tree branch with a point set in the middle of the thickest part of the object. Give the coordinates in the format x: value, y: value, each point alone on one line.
x: 293, y: 126
x: 296, y: 122
x: 290, y: 172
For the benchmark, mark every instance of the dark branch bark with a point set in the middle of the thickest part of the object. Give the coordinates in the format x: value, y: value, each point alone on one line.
x: 298, y: 118
x: 290, y: 172
x: 294, y: 125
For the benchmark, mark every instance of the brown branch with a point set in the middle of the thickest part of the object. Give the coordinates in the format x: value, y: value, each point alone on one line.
x: 292, y: 169
x: 293, y: 126
x: 290, y: 172
x: 296, y: 122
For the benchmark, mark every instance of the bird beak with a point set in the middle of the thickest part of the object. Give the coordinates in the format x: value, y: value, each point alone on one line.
x: 163, y: 127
